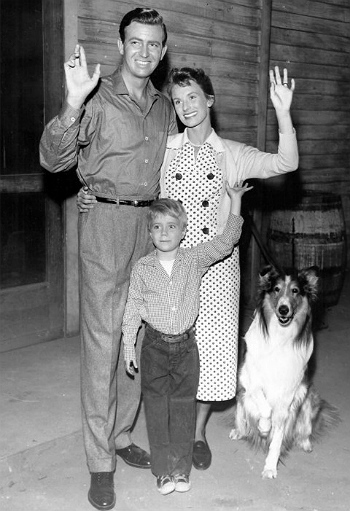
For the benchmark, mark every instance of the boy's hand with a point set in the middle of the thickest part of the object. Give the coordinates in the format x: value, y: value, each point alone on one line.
x: 238, y: 189
x: 130, y: 359
x: 236, y: 193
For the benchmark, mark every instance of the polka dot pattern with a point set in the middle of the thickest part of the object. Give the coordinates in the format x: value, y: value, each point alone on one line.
x: 217, y: 324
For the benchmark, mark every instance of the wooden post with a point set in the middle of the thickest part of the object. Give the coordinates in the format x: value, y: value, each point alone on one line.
x: 261, y: 131
x: 53, y: 31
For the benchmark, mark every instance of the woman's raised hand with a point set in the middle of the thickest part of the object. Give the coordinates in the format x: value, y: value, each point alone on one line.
x: 281, y: 91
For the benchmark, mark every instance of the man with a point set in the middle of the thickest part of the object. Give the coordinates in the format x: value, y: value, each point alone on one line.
x: 115, y: 130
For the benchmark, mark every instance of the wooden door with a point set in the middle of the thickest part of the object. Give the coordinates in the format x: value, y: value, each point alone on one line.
x: 31, y: 228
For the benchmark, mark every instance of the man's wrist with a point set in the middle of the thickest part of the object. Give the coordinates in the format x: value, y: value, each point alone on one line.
x: 74, y: 102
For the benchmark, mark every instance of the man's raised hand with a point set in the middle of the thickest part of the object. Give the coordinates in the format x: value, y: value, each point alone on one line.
x: 79, y: 83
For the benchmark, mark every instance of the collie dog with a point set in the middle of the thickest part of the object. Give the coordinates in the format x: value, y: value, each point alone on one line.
x: 277, y: 405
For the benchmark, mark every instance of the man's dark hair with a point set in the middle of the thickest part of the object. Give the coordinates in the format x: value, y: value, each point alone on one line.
x: 142, y: 15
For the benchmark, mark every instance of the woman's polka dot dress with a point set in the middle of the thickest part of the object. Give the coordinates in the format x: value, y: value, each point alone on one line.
x: 197, y: 182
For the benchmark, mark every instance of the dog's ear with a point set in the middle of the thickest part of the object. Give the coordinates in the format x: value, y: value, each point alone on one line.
x: 266, y: 269
x: 265, y: 277
x: 310, y: 276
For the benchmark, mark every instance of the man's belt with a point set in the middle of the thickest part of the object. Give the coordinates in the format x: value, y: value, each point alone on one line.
x: 124, y: 202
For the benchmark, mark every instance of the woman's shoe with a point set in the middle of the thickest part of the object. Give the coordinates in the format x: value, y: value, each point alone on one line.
x: 201, y: 457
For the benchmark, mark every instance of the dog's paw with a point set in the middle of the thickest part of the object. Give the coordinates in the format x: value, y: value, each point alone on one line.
x: 264, y: 426
x: 234, y: 434
x: 269, y: 473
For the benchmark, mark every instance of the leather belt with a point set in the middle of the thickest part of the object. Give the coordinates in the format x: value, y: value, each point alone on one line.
x: 171, y: 337
x: 175, y: 338
x: 123, y: 202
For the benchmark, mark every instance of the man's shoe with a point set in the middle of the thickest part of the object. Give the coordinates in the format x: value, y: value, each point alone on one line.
x: 101, y: 494
x: 182, y: 482
x: 135, y: 456
x: 201, y: 457
x: 165, y: 484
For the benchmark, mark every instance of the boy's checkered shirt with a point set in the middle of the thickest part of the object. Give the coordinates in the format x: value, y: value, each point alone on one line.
x: 170, y: 304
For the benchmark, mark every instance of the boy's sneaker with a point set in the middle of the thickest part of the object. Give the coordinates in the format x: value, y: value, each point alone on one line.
x: 182, y: 482
x: 165, y: 484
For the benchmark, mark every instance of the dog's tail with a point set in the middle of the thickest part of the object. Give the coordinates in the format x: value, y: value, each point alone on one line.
x: 325, y: 416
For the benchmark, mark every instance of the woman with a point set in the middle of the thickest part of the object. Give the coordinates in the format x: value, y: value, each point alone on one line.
x: 196, y: 165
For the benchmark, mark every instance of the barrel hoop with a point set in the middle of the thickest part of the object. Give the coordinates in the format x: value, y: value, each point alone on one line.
x: 304, y: 206
x: 281, y: 236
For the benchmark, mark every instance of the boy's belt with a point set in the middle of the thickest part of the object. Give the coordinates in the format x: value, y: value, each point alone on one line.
x: 171, y: 337
x: 123, y: 202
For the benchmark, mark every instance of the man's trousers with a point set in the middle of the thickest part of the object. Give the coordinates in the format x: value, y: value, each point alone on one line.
x: 111, y: 239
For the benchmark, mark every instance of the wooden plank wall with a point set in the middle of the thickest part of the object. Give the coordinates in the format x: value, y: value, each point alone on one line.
x: 312, y: 39
x: 222, y: 37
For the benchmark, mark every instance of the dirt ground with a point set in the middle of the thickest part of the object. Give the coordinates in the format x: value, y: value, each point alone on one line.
x: 42, y: 461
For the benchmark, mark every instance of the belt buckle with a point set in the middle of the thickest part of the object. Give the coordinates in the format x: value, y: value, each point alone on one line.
x: 167, y: 337
x: 135, y: 203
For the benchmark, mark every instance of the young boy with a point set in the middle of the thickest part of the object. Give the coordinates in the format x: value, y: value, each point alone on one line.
x: 164, y: 292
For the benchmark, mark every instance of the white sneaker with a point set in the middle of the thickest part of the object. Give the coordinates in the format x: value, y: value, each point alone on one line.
x: 165, y: 484
x: 182, y: 482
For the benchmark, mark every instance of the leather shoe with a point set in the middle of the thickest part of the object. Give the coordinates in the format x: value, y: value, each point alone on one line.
x: 201, y: 457
x: 135, y: 456
x: 101, y: 494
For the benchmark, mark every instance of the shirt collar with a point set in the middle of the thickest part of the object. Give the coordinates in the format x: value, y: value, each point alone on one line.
x: 152, y: 259
x: 178, y: 141
x: 119, y: 86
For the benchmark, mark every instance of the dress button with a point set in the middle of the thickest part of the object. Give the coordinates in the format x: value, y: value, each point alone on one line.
x: 146, y: 138
x: 210, y: 176
x: 72, y: 119
x: 146, y: 161
x: 205, y: 230
x: 178, y: 176
x: 205, y: 204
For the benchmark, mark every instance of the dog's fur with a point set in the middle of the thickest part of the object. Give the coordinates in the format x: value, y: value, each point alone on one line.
x: 277, y: 406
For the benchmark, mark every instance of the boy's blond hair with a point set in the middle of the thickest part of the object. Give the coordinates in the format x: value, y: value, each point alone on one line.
x: 169, y: 207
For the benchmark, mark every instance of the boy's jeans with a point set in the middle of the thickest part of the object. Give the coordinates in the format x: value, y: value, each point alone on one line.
x: 169, y: 382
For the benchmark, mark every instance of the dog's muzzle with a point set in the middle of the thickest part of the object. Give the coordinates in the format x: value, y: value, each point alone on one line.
x: 284, y: 315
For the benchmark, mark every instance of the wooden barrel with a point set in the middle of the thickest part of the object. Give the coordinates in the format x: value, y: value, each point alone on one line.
x: 312, y: 233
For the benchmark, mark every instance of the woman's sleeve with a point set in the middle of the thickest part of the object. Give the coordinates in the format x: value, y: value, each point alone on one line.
x: 252, y: 163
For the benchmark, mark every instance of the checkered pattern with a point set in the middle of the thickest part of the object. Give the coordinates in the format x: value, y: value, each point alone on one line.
x: 170, y: 304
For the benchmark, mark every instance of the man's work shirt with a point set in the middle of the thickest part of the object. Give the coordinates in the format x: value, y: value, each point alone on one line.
x: 118, y: 147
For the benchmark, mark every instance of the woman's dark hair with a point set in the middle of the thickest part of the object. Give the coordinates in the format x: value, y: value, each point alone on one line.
x: 185, y: 75
x: 142, y: 15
